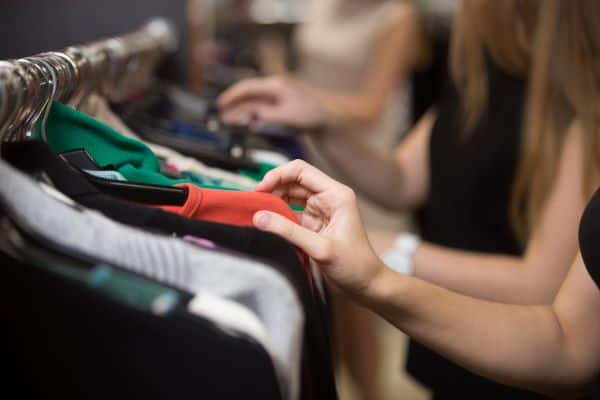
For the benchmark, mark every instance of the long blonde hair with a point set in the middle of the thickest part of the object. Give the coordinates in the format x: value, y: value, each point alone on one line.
x: 556, y: 44
x: 495, y: 28
x: 565, y: 86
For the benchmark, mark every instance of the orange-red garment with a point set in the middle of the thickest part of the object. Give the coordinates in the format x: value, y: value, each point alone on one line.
x: 233, y: 208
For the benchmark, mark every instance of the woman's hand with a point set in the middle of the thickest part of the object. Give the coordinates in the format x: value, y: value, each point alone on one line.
x: 330, y: 230
x: 273, y: 100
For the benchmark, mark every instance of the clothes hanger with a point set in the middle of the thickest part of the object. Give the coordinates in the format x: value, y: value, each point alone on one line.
x: 50, y: 98
x: 29, y: 87
x: 16, y: 92
x: 4, y: 106
x: 11, y: 98
x: 131, y: 191
x: 37, y: 101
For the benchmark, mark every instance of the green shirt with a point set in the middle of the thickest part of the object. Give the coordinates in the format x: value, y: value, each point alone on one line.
x: 263, y: 169
x: 68, y: 129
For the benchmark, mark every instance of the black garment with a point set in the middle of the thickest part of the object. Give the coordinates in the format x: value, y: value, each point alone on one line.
x: 61, y: 339
x: 428, y: 82
x: 317, y: 365
x: 468, y: 208
x: 36, y: 157
x: 589, y: 234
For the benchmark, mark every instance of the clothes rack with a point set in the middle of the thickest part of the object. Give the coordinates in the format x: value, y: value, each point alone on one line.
x: 126, y: 231
x: 113, y: 67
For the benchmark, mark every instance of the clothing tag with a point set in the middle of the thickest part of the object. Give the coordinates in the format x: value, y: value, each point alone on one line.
x: 81, y: 159
x: 109, y: 175
x: 204, y: 243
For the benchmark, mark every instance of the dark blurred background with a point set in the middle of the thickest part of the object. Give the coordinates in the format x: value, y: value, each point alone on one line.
x: 28, y: 27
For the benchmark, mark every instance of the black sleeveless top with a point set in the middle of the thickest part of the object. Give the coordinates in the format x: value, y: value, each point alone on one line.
x: 472, y: 174
x: 468, y: 208
x: 589, y: 232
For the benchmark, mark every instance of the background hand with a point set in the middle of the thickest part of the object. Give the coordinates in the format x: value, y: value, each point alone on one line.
x: 272, y: 100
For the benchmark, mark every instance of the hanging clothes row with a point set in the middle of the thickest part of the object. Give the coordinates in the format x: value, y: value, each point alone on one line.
x: 134, y: 262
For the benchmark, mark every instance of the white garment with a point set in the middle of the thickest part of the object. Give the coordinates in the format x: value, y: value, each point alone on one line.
x: 268, y: 157
x: 230, y: 316
x: 192, y: 165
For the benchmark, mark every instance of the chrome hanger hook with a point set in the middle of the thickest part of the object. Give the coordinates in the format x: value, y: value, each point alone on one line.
x: 50, y: 99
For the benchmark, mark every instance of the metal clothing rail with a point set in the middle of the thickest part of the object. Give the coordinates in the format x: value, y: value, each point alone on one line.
x: 113, y: 67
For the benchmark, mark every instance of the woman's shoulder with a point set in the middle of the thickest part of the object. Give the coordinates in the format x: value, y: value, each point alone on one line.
x: 390, y: 13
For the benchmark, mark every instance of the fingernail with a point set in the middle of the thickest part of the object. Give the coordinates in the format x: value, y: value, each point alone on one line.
x: 262, y: 219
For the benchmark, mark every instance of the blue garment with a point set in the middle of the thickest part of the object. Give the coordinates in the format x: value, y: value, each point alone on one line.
x: 188, y: 131
x: 290, y: 146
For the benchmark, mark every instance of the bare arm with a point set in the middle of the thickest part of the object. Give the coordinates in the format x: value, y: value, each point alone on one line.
x: 534, y: 278
x: 395, y: 181
x: 555, y: 349
x: 552, y: 349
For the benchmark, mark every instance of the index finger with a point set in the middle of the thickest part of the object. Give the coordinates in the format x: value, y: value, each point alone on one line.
x: 258, y: 87
x: 297, y: 172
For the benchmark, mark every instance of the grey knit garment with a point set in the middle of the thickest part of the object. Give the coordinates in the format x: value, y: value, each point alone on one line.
x: 168, y: 260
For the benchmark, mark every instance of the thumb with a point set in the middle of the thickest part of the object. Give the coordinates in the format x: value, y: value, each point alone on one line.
x: 311, y: 242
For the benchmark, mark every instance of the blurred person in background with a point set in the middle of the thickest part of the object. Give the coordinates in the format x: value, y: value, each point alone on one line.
x: 547, y: 173
x: 499, y: 209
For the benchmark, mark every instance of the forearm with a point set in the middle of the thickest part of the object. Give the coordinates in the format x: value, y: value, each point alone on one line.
x: 350, y: 109
x: 515, y: 345
x: 371, y: 172
x: 552, y: 349
x: 501, y: 278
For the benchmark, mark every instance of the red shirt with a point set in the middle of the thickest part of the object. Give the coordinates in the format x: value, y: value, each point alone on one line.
x: 233, y: 208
